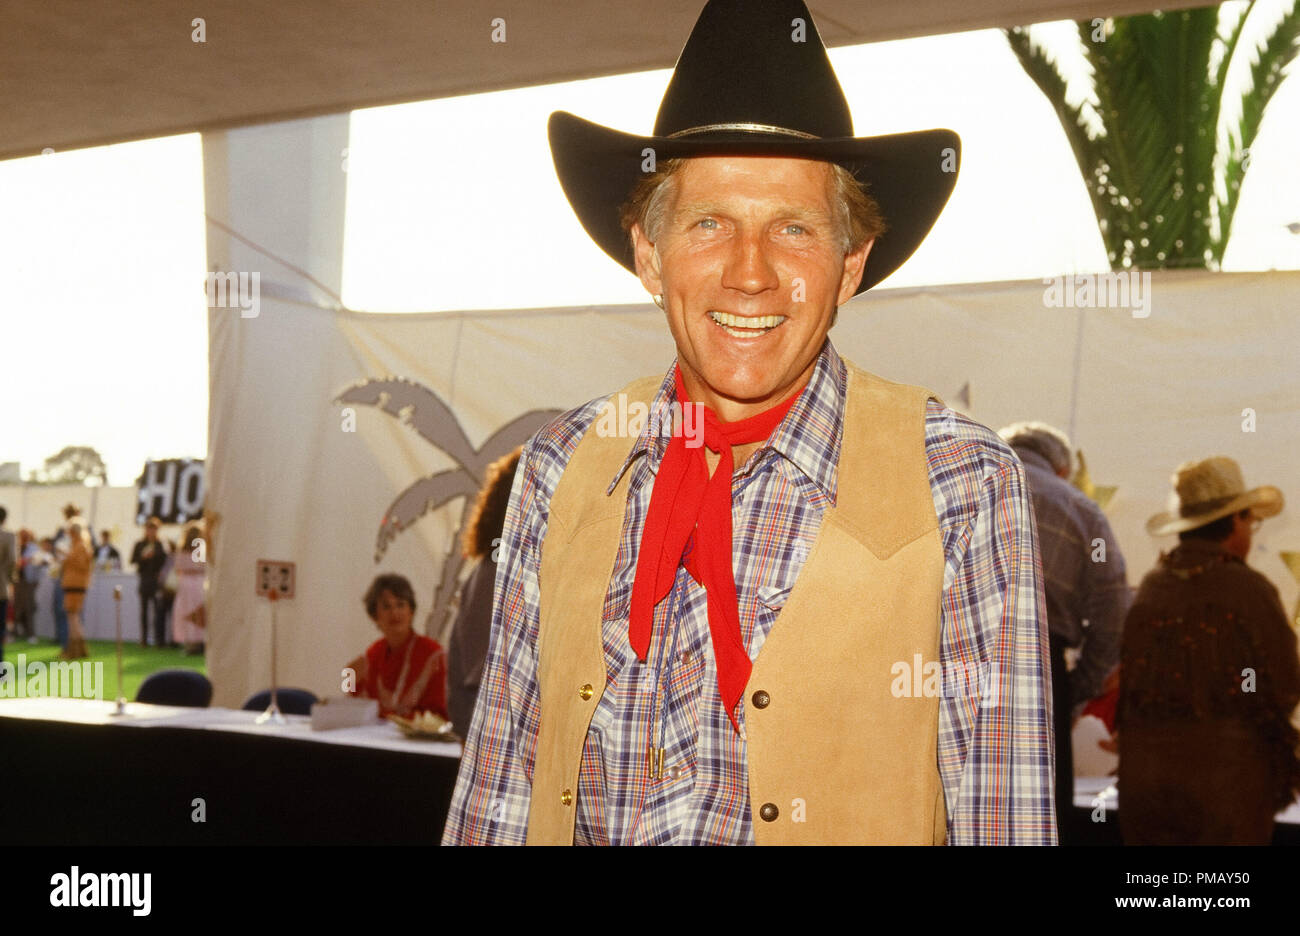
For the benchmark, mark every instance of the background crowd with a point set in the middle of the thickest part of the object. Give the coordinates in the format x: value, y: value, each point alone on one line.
x: 169, y: 583
x: 1196, y: 675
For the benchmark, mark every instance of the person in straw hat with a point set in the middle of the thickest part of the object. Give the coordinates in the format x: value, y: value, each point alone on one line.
x: 1209, y: 675
x: 797, y: 603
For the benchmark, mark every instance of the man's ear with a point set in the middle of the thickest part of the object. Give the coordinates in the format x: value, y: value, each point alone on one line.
x: 647, y: 262
x: 855, y: 263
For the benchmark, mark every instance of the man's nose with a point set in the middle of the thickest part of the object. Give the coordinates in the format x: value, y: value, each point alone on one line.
x: 749, y: 266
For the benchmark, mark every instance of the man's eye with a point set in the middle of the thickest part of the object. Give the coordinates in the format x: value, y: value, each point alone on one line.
x: 796, y: 229
x: 708, y: 224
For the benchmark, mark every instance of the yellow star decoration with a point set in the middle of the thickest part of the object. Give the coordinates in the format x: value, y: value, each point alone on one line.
x: 1292, y: 562
x: 1101, y: 494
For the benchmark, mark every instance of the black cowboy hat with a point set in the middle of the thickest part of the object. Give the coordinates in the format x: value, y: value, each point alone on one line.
x: 754, y: 79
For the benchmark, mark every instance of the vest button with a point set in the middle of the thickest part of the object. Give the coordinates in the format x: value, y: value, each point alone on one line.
x: 586, y: 692
x: 768, y: 812
x: 567, y: 798
x: 761, y: 700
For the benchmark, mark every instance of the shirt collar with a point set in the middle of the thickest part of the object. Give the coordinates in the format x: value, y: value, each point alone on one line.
x: 808, y: 437
x: 653, y: 439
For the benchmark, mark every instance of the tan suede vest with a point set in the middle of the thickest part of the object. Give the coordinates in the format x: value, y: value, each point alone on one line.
x: 834, y: 756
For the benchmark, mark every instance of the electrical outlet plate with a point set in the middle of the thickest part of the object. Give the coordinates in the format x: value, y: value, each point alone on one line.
x: 275, y: 575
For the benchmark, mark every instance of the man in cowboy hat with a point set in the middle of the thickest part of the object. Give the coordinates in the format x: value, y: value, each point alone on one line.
x: 824, y: 625
x: 1209, y: 675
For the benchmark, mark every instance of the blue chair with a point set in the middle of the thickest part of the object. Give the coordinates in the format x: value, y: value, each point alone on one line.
x: 176, y: 687
x: 291, y: 701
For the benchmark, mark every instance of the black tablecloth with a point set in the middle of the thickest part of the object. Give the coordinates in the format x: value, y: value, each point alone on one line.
x: 64, y: 783
x: 72, y: 783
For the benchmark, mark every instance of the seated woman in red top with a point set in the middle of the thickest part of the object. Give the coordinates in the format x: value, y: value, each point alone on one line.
x: 405, y: 671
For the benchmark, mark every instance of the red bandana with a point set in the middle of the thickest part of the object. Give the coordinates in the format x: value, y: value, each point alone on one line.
x: 686, y: 500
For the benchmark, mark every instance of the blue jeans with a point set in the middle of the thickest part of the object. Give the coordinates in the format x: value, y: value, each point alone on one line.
x: 60, y: 617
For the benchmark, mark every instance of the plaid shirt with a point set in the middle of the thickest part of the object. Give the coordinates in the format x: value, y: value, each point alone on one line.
x: 995, y: 761
x: 1082, y: 584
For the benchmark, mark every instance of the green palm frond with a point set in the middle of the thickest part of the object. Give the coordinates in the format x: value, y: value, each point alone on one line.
x: 1267, y: 71
x: 1043, y: 72
x: 1154, y: 169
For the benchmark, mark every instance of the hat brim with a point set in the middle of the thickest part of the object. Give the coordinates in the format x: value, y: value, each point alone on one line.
x: 910, y: 175
x: 1264, y: 502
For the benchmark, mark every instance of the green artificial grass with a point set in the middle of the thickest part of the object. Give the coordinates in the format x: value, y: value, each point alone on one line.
x: 137, y: 663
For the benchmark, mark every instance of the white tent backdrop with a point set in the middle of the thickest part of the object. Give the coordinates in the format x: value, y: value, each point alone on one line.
x: 294, y: 476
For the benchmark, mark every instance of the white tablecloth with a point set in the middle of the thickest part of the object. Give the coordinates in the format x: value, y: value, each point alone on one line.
x: 381, y: 735
x: 97, y: 617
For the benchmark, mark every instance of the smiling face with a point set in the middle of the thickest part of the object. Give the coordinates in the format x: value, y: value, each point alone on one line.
x: 393, y: 618
x: 751, y: 269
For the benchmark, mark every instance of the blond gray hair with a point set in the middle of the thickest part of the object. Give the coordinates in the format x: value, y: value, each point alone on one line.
x: 1038, y: 437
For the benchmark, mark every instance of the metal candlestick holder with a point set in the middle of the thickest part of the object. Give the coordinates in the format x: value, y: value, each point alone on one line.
x: 120, y: 708
x: 273, y: 713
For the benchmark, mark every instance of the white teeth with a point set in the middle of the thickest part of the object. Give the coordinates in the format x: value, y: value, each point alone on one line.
x: 745, y: 332
x: 750, y: 324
